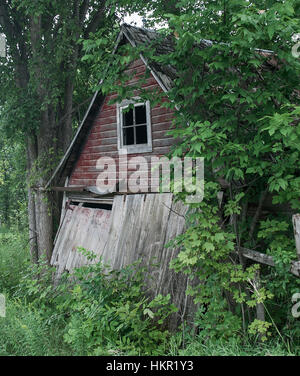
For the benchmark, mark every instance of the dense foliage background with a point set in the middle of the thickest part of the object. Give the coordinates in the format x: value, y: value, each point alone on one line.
x: 237, y: 104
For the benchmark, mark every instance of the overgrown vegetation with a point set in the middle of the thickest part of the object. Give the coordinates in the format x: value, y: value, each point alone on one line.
x: 95, y: 311
x: 236, y: 102
x: 101, y: 312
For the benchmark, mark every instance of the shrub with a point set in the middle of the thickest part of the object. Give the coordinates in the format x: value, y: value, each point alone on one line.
x: 109, y: 311
x: 102, y: 310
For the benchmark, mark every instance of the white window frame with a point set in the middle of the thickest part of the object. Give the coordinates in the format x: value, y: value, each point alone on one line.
x: 139, y: 148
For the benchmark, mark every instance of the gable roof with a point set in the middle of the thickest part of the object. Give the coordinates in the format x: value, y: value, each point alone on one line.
x: 164, y: 75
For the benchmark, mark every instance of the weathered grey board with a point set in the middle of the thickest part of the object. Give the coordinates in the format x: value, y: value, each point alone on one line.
x: 82, y: 227
x: 138, y: 228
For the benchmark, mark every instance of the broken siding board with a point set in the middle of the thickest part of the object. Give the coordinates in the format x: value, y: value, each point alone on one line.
x: 137, y: 228
x: 72, y: 234
x: 62, y: 244
x: 80, y: 236
x: 175, y: 226
x: 129, y: 232
x: 83, y: 227
x: 66, y: 224
x: 63, y: 210
x: 126, y: 234
x: 100, y: 234
x: 169, y: 280
x: 156, y: 236
x: 110, y: 250
x: 82, y: 239
x: 295, y: 269
x: 153, y: 233
x: 62, y: 234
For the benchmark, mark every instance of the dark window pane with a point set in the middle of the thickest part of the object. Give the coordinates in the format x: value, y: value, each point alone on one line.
x: 140, y: 115
x: 141, y: 135
x: 128, y: 136
x: 127, y: 117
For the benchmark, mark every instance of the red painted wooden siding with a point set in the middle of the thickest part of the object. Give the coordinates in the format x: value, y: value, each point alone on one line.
x: 102, y: 140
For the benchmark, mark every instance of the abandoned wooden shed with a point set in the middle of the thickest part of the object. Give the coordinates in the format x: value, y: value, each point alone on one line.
x: 121, y: 228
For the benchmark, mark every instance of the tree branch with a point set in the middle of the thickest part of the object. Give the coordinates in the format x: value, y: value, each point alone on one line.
x: 96, y: 20
x: 257, y: 213
x: 83, y: 11
x: 16, y: 42
x: 74, y: 109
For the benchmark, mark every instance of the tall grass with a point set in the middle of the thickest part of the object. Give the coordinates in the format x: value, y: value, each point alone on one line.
x: 24, y: 331
x: 199, y: 346
x: 14, y: 257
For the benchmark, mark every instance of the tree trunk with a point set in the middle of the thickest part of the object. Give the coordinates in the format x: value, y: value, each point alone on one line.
x: 28, y: 37
x: 44, y: 211
x: 44, y: 223
x: 33, y: 235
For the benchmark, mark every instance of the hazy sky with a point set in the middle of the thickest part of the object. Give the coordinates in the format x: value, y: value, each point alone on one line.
x: 134, y: 19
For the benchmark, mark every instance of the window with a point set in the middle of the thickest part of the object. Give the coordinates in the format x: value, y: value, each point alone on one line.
x: 134, y: 128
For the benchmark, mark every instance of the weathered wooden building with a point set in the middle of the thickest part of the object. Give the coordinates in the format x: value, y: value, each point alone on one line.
x: 129, y: 226
x: 121, y: 228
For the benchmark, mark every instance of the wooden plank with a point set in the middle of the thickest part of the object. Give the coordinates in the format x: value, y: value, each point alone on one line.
x: 74, y: 228
x: 82, y: 227
x: 268, y: 260
x: 63, y: 210
x: 68, y: 189
x: 295, y: 269
x: 257, y: 256
x: 103, y: 134
x: 83, y: 221
x: 55, y: 259
x: 111, y: 250
x: 97, y: 201
x: 61, y: 249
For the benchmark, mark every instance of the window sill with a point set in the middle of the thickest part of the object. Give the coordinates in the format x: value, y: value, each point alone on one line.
x: 135, y: 149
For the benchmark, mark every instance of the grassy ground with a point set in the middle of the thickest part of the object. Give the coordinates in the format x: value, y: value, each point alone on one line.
x: 23, y: 332
x: 233, y: 348
x: 33, y: 330
x: 14, y: 256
